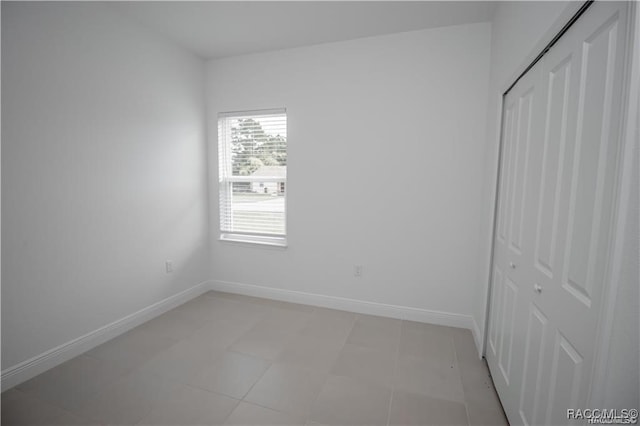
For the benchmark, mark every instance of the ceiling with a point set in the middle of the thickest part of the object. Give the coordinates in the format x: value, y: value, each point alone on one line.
x: 216, y: 29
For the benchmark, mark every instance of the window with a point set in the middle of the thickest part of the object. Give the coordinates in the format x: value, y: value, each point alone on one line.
x: 252, y: 148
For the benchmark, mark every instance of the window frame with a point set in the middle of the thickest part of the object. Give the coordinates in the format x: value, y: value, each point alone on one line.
x: 226, y: 180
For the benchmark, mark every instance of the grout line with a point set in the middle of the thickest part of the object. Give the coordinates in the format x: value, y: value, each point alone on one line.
x: 307, y: 417
x: 457, y: 361
x: 395, y: 369
x: 286, y: 413
x: 271, y: 362
x: 238, y: 401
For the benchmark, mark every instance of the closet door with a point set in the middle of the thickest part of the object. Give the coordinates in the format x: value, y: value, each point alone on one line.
x: 511, y: 291
x: 557, y: 193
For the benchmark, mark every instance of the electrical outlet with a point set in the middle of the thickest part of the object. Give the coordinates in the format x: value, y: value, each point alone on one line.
x: 357, y: 271
x: 169, y: 266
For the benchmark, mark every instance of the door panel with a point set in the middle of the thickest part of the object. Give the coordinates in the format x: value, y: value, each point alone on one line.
x: 556, y: 200
x: 566, y: 374
x: 533, y: 365
x: 510, y: 292
x: 519, y: 176
x: 590, y: 161
x: 495, y: 313
x: 552, y: 162
x: 504, y: 176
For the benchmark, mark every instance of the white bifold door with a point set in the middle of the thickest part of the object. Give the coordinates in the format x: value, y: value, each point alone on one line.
x: 556, y: 200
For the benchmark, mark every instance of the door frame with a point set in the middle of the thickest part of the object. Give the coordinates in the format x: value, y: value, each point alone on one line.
x: 629, y: 134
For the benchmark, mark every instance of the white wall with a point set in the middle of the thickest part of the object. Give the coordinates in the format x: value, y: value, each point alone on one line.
x: 103, y: 172
x: 371, y: 122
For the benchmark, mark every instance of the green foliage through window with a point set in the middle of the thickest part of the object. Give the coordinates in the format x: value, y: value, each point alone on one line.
x: 253, y: 147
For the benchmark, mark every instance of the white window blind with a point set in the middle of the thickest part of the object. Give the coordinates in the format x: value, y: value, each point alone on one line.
x: 253, y: 175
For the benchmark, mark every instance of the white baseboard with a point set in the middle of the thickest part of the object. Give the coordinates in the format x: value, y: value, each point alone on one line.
x: 25, y: 370
x: 345, y: 304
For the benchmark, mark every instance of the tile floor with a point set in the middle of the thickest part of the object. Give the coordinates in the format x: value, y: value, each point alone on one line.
x: 237, y: 360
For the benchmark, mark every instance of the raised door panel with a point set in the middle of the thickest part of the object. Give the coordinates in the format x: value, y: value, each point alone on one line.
x: 566, y: 377
x: 507, y: 323
x: 519, y: 175
x: 555, y: 136
x: 593, y: 166
x: 505, y: 173
x: 530, y: 391
x: 495, y: 311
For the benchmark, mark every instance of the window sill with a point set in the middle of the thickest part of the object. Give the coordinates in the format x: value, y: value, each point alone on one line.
x: 277, y: 242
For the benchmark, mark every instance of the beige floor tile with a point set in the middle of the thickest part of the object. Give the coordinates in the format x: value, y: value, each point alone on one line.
x: 198, y: 309
x: 71, y: 384
x: 366, y: 364
x: 193, y: 364
x: 380, y: 322
x: 422, y: 376
x: 206, y: 308
x: 129, y: 399
x: 297, y: 307
x: 465, y: 347
x: 191, y: 406
x: 428, y: 328
x: 69, y: 419
x: 20, y: 408
x: 375, y: 333
x: 485, y: 406
x: 246, y: 414
x: 262, y: 343
x: 486, y: 414
x: 427, y: 341
x: 269, y: 303
x: 222, y: 332
x: 287, y: 388
x: 311, y: 352
x: 131, y: 349
x: 474, y: 372
x: 283, y: 320
x: 346, y: 401
x: 173, y: 324
x: 334, y: 314
x: 184, y: 360
x: 328, y: 324
x: 258, y: 301
x: 233, y: 374
x: 243, y: 311
x: 478, y: 385
x: 413, y: 409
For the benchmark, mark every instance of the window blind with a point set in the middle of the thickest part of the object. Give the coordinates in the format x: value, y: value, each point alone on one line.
x: 253, y: 174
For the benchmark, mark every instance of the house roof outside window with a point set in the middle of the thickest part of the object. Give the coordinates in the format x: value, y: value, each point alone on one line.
x: 271, y: 171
